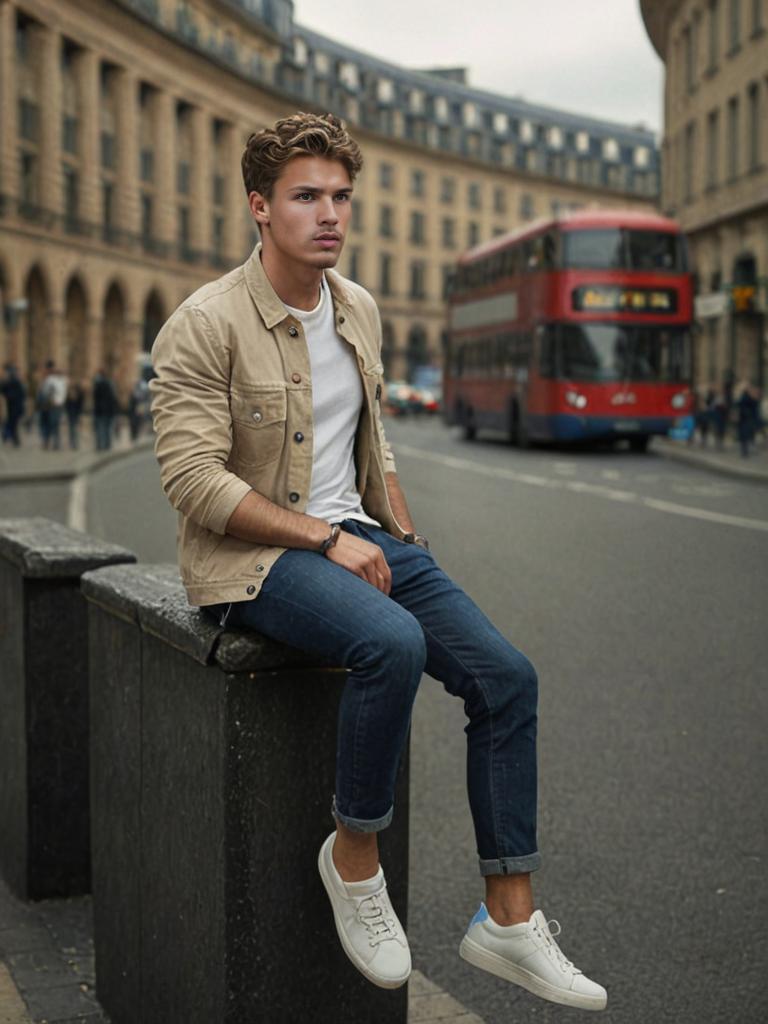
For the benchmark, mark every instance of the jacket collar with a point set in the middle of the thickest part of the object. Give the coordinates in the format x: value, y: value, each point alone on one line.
x: 270, y: 306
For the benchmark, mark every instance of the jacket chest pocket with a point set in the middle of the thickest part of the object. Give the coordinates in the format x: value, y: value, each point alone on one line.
x: 258, y: 426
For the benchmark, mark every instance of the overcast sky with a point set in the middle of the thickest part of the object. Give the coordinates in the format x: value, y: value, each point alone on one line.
x: 590, y: 58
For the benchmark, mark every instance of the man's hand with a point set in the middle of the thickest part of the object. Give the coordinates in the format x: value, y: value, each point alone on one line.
x: 362, y: 558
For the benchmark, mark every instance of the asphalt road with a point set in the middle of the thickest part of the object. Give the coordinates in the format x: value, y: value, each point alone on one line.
x: 637, y: 587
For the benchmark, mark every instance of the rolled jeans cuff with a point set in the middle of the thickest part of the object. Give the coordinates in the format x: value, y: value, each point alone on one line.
x: 362, y: 824
x: 511, y: 865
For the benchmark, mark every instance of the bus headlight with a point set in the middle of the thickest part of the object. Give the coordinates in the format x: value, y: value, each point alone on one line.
x: 575, y: 399
x: 679, y: 400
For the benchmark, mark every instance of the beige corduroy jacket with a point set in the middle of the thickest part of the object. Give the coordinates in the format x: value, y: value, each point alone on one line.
x: 231, y: 400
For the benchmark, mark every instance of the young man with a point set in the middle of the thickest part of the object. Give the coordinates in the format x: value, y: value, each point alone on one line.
x: 267, y: 411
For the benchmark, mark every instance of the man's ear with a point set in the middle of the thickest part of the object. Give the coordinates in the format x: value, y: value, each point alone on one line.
x: 259, y: 206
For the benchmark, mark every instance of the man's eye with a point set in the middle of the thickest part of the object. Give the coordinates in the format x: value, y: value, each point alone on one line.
x: 304, y: 195
x: 343, y: 197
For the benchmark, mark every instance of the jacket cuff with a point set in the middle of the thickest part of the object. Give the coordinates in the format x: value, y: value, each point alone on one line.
x: 226, y: 501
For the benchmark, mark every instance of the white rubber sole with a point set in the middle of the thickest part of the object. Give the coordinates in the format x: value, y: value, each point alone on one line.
x: 345, y: 944
x: 483, y: 958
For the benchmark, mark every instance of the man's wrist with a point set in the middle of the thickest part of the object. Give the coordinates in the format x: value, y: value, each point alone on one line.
x: 417, y: 538
x: 330, y: 540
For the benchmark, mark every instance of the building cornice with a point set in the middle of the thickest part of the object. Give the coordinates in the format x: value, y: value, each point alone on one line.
x: 658, y: 15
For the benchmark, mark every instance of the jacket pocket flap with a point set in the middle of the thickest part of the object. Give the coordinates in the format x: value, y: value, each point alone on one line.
x: 258, y: 409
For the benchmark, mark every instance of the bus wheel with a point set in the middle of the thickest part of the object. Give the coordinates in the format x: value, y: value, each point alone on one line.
x: 469, y: 427
x: 639, y: 444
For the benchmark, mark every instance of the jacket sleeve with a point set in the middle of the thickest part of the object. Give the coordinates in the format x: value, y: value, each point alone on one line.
x: 191, y: 414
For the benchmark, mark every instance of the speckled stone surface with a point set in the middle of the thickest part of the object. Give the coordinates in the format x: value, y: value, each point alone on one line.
x: 44, y: 811
x: 211, y: 796
x: 42, y: 548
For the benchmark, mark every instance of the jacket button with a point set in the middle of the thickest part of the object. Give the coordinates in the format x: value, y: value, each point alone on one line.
x: 298, y: 437
x: 296, y: 378
x: 259, y: 567
x: 341, y: 319
x: 250, y: 589
x: 257, y: 416
x: 294, y: 496
x: 293, y: 332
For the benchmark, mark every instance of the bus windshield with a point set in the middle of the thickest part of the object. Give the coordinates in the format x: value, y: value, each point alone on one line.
x: 623, y: 249
x: 591, y: 352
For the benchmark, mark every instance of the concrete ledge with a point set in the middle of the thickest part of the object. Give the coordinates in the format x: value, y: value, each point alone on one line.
x: 12, y: 1008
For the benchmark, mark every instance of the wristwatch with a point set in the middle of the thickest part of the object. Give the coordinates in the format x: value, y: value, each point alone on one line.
x: 330, y: 540
x: 416, y: 538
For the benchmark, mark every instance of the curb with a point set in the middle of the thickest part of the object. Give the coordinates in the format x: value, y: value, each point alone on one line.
x: 670, y: 449
x: 89, y: 464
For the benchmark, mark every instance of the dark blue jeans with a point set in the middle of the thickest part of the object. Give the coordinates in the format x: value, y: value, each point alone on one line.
x: 426, y: 624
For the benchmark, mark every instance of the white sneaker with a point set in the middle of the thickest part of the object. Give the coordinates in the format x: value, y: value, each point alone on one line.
x: 528, y: 955
x: 367, y: 924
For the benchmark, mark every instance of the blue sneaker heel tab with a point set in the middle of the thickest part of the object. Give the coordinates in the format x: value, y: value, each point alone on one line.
x: 480, y: 916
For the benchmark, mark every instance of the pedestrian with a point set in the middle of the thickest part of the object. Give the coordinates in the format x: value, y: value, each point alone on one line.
x: 138, y: 407
x: 104, y: 410
x: 14, y: 393
x: 51, y: 396
x: 720, y: 418
x: 74, y: 410
x: 705, y: 415
x: 747, y: 409
x: 293, y: 523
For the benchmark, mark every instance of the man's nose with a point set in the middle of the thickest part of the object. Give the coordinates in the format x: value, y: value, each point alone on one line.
x: 327, y: 211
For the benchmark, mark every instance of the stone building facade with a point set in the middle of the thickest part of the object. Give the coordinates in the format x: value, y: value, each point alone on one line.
x: 122, y: 124
x: 715, y: 171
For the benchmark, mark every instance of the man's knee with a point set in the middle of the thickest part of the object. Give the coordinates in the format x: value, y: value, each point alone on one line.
x: 398, y: 644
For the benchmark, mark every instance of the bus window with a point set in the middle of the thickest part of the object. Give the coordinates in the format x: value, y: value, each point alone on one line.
x: 547, y: 339
x: 598, y: 249
x: 655, y: 250
x: 614, y: 352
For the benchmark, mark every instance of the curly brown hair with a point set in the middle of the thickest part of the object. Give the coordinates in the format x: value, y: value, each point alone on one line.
x: 268, y: 151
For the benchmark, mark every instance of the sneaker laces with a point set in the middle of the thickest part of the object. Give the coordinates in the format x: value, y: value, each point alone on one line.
x: 372, y: 914
x: 552, y: 949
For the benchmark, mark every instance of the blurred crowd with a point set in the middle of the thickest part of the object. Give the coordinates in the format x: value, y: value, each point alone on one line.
x: 734, y: 410
x: 53, y: 406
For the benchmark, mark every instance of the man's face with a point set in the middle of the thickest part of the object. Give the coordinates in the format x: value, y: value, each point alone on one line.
x: 305, y: 219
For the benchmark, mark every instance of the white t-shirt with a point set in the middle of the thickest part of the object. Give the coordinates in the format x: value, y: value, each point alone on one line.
x: 337, y: 399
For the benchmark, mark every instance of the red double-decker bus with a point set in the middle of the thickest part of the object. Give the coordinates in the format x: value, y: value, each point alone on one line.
x: 575, y: 328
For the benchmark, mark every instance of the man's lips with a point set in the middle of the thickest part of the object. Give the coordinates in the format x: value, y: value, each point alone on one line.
x: 327, y: 240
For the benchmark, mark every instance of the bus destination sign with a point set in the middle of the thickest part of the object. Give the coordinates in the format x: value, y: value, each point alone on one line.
x: 608, y: 298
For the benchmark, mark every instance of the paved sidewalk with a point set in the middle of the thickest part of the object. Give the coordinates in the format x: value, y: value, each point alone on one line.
x: 32, y: 461
x: 727, y: 460
x: 47, y: 969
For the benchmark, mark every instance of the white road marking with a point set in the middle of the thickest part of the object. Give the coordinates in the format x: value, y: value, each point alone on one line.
x: 566, y: 468
x: 78, y: 490
x: 610, y: 474
x: 580, y: 487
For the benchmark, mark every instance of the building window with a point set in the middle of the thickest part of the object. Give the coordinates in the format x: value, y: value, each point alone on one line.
x: 182, y: 177
x: 217, y: 236
x: 385, y: 90
x: 753, y: 132
x: 69, y: 134
x: 757, y: 17
x: 71, y: 195
x: 734, y: 25
x: 146, y: 217
x: 500, y: 123
x: 473, y: 233
x: 386, y: 175
x: 353, y: 268
x: 733, y: 137
x: 417, y: 227
x: 447, y: 190
x: 688, y: 160
x: 29, y: 121
x: 146, y: 164
x: 713, y: 147
x: 107, y: 149
x: 107, y: 209
x: 473, y: 195
x: 714, y: 34
x: 28, y: 173
x: 447, y: 279
x: 526, y: 206
x: 357, y: 215
x: 217, y: 189
x: 582, y: 142
x: 499, y: 200
x: 385, y: 222
x: 448, y: 232
x: 417, y: 183
x: 183, y: 231
x: 418, y: 274
x: 385, y: 273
